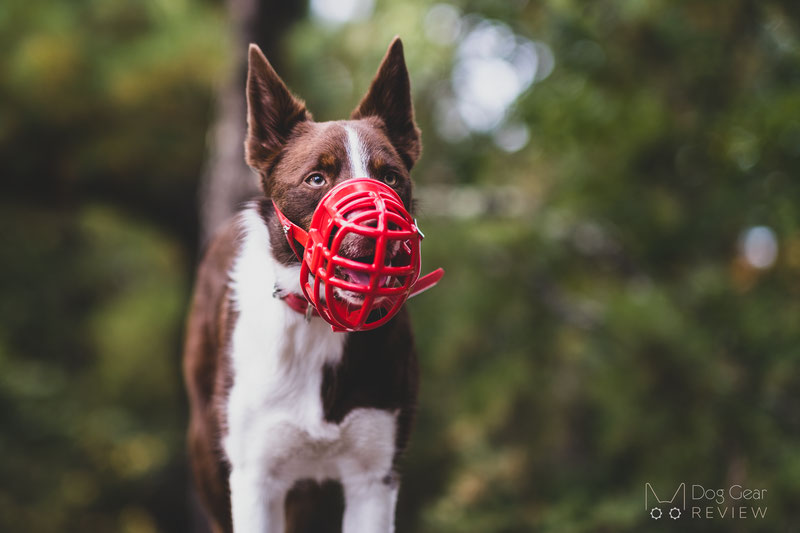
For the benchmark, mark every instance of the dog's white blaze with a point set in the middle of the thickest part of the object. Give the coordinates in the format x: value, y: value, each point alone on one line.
x: 276, y: 431
x: 356, y: 154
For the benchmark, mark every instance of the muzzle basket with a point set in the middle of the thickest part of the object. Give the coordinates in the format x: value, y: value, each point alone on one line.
x: 353, y: 294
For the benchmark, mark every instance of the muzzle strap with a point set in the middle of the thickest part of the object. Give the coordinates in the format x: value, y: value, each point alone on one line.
x: 293, y: 232
x: 426, y: 282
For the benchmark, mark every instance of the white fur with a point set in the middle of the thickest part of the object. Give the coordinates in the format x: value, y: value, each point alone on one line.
x: 356, y: 154
x: 276, y: 431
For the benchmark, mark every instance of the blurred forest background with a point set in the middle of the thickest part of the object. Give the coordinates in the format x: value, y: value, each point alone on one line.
x: 612, y: 187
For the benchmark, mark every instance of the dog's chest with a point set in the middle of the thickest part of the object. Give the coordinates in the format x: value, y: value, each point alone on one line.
x: 274, y: 411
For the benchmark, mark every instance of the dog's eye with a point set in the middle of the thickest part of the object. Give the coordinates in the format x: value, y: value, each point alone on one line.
x: 316, y: 180
x: 391, y: 179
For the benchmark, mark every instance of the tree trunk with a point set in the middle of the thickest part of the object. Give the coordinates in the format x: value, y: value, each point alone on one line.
x: 227, y: 181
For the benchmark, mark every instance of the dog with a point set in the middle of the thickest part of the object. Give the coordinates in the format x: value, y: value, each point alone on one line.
x: 293, y: 426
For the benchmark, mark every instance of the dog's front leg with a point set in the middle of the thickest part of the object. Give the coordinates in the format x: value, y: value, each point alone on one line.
x: 256, y: 502
x: 369, y: 504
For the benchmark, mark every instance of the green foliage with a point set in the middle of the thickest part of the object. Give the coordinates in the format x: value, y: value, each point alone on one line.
x: 92, y: 421
x: 600, y: 325
x: 103, y: 108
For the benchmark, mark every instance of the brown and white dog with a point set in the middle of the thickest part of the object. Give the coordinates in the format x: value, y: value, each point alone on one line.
x: 290, y: 421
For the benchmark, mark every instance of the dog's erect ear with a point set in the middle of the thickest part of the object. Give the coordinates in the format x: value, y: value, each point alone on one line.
x: 389, y: 98
x: 272, y: 112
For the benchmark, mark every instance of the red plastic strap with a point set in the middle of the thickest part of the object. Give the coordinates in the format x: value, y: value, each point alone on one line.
x: 426, y: 282
x: 293, y: 231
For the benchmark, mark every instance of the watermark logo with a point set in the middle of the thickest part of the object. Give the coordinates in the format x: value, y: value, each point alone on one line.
x: 698, y: 502
x: 675, y: 505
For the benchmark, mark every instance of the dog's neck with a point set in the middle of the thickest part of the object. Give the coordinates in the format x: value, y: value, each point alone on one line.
x: 258, y: 263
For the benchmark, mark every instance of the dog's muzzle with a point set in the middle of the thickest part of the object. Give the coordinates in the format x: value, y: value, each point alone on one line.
x: 361, y: 257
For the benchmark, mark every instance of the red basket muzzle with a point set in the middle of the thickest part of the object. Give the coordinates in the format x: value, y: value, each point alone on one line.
x: 362, y: 259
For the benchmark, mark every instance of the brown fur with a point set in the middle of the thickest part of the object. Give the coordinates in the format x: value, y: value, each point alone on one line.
x: 273, y: 112
x: 389, y: 98
x: 207, y: 335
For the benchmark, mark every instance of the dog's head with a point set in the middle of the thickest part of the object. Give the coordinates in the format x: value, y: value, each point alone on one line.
x: 299, y: 160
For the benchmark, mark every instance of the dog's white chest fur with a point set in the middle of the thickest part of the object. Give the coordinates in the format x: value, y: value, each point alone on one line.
x: 276, y: 429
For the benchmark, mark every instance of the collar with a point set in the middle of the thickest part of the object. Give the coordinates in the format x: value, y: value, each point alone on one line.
x: 297, y: 303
